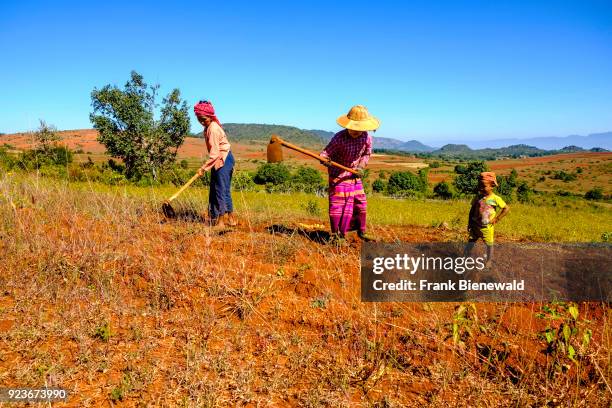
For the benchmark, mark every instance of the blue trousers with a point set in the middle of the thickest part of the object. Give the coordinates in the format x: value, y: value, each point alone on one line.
x: 220, y: 197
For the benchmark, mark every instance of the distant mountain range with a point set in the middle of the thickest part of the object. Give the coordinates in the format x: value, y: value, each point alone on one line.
x: 603, y: 140
x: 462, y: 151
x: 500, y: 147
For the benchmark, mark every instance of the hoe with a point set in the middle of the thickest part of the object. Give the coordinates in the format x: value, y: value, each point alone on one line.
x: 275, y: 154
x: 166, y: 207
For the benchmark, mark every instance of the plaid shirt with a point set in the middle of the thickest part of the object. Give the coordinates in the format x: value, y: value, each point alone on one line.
x: 348, y: 151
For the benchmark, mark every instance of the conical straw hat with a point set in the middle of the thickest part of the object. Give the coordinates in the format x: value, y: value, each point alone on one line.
x: 358, y: 118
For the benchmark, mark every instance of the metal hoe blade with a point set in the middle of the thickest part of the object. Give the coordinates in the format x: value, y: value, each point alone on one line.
x: 168, y: 210
x: 275, y: 150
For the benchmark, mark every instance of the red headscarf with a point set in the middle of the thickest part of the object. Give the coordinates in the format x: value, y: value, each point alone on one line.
x: 205, y: 108
x: 488, y: 177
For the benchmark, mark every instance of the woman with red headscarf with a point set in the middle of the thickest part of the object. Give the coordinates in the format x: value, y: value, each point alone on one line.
x: 220, y: 162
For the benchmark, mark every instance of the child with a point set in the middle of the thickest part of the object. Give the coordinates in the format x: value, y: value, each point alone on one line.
x: 352, y: 148
x: 486, y: 211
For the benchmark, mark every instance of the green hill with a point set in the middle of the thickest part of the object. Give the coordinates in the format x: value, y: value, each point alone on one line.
x: 462, y: 151
x: 242, y: 132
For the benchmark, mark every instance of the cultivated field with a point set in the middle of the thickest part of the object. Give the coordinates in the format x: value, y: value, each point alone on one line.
x: 103, y: 296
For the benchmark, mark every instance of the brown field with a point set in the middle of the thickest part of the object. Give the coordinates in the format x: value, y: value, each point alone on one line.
x: 102, y: 296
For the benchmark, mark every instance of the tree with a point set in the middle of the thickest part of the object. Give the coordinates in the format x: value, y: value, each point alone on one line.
x: 507, y: 184
x: 466, y: 181
x: 128, y: 129
x: 45, y: 136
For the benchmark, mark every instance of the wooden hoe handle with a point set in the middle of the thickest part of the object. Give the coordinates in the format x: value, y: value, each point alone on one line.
x: 191, y: 180
x: 314, y: 155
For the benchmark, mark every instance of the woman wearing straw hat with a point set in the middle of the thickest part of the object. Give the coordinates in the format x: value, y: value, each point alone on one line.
x: 351, y: 147
x: 220, y: 162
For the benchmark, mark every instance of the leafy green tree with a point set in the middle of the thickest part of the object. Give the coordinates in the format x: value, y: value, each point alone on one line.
x: 128, y: 129
x: 466, y: 181
x: 443, y: 190
x: 507, y: 185
x: 273, y: 173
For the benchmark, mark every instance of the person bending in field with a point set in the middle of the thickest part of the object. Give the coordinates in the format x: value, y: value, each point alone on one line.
x: 487, y: 210
x: 352, y: 148
x: 220, y: 162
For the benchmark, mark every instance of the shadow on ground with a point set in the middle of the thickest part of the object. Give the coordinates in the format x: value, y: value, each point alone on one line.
x: 319, y: 236
x: 182, y: 214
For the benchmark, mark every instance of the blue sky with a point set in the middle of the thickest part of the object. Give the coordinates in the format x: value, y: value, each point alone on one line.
x: 432, y: 71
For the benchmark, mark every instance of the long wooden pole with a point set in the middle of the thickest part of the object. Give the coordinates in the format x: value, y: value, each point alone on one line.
x: 313, y: 155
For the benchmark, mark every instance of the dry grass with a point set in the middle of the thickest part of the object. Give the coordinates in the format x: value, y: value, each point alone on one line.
x: 102, y: 297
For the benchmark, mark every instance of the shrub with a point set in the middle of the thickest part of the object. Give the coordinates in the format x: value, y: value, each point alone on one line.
x: 524, y: 192
x: 405, y: 183
x: 184, y: 164
x: 466, y: 181
x: 379, y: 185
x: 113, y: 178
x: 564, y: 176
x: 312, y: 207
x: 76, y: 173
x: 53, y: 171
x: 277, y: 188
x: 594, y: 194
x: 176, y: 175
x: 51, y: 156
x: 146, y: 181
x: 307, y: 175
x: 443, y: 190
x: 88, y: 164
x: 242, y: 181
x: 6, y: 161
x: 203, y: 181
x: 118, y: 167
x: 435, y: 165
x: 563, y: 193
x: 273, y: 173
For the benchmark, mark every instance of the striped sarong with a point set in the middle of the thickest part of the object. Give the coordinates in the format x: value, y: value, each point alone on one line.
x: 347, y: 206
